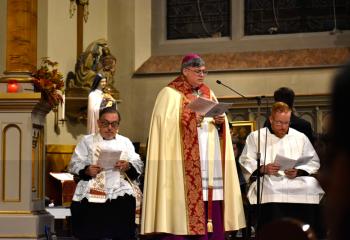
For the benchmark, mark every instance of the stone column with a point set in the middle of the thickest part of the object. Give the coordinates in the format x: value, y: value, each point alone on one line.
x: 21, y: 42
x: 22, y: 132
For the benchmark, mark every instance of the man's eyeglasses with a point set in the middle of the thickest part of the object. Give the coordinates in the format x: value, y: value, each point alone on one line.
x: 198, y: 72
x: 105, y: 124
x: 280, y: 123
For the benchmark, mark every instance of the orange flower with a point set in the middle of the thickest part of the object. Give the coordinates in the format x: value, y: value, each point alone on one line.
x: 49, y: 81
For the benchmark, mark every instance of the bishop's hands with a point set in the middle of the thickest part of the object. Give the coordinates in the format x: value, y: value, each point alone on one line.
x: 199, y: 119
x: 219, y: 119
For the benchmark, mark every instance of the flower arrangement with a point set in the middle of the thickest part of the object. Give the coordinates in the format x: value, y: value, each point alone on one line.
x: 49, y: 81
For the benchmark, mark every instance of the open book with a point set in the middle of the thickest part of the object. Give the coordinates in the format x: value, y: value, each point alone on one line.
x: 288, y: 163
x: 207, y: 107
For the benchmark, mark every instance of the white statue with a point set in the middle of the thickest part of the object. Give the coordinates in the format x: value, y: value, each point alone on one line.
x: 99, y: 97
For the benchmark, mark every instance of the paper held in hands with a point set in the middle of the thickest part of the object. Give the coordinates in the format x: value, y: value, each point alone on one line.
x: 207, y: 107
x: 288, y: 163
x: 108, y: 158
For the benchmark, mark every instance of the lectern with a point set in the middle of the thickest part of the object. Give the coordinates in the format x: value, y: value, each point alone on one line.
x: 22, y: 166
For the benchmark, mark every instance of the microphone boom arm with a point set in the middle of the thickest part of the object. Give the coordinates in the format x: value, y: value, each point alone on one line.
x: 238, y: 93
x: 219, y: 82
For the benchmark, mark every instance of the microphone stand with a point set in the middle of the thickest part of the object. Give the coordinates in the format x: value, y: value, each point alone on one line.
x: 258, y: 154
x: 258, y: 160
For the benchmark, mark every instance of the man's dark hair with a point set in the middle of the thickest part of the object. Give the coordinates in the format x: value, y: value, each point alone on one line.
x: 109, y: 110
x: 285, y: 95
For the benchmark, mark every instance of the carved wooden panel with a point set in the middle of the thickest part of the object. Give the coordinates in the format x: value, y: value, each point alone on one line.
x: 12, y: 162
x: 38, y: 162
x: 313, y: 108
x: 57, y: 160
x: 21, y: 35
x: 243, y: 61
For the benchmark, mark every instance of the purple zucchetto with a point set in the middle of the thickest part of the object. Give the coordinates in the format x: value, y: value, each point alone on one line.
x: 192, y: 60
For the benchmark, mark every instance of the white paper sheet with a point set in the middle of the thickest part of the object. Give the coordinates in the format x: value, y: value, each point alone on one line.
x: 207, y: 107
x: 218, y: 109
x: 108, y: 158
x: 288, y: 163
x: 303, y: 160
x: 284, y: 162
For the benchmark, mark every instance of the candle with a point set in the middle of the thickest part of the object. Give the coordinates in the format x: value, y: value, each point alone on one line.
x: 63, y: 106
x: 12, y: 86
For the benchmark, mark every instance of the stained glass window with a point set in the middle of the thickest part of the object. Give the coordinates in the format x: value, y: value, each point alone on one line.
x: 188, y: 19
x: 295, y: 16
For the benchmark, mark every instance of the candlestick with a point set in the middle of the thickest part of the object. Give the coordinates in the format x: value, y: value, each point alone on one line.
x: 63, y: 106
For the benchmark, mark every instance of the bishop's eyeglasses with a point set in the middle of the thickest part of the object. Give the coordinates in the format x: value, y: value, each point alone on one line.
x: 198, y: 71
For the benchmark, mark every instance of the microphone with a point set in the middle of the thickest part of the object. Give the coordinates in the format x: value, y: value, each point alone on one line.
x: 246, y: 98
x: 220, y: 83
